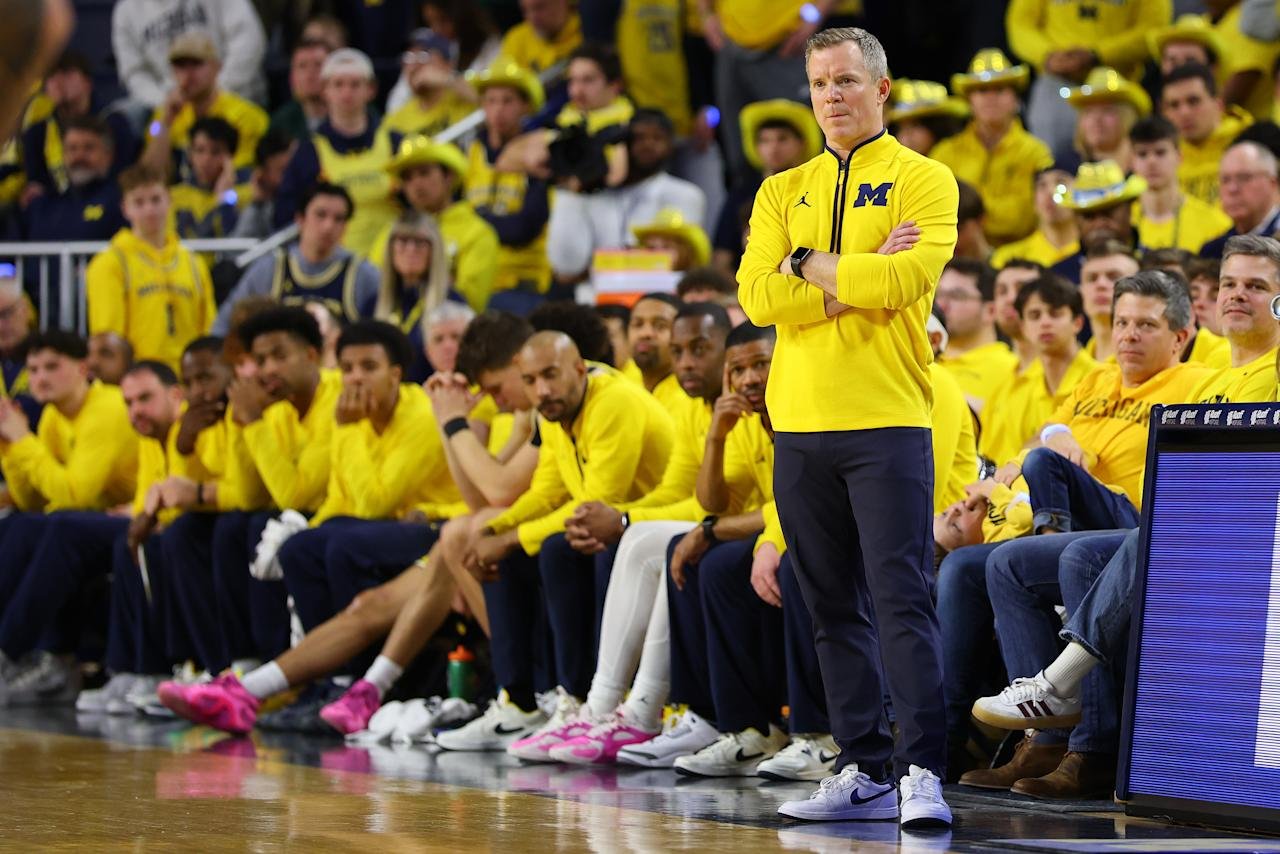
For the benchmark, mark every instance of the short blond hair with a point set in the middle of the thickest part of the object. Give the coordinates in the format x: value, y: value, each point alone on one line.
x: 873, y: 56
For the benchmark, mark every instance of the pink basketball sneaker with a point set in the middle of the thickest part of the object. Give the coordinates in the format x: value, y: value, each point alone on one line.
x: 600, y: 745
x: 222, y: 704
x: 351, y: 712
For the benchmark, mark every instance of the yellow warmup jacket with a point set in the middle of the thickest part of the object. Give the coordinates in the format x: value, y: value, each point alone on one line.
x: 364, y: 175
x: 472, y: 245
x: 1035, y: 247
x: 413, y: 118
x: 1021, y: 406
x: 249, y: 120
x: 504, y: 194
x: 156, y: 299
x: 955, y: 444
x: 1211, y: 350
x: 675, y: 498
x: 523, y: 46
x: 668, y: 391
x: 651, y: 47
x: 982, y: 370
x: 89, y: 462
x: 1109, y: 421
x: 384, y: 475
x: 291, y: 455
x: 1115, y: 30
x: 615, y: 451
x: 1004, y: 176
x: 1194, y: 225
x: 1198, y: 172
x: 750, y: 446
x: 158, y: 461
x: 1251, y: 383
x: 867, y: 367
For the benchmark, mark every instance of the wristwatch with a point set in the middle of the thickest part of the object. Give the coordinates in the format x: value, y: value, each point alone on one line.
x: 797, y: 260
x: 709, y: 529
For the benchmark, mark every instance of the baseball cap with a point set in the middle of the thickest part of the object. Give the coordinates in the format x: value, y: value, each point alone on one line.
x: 347, y: 60
x: 193, y: 45
x: 427, y: 39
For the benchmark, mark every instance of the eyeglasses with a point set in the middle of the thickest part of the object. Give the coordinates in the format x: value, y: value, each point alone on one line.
x: 954, y: 295
x: 417, y: 57
x: 411, y: 240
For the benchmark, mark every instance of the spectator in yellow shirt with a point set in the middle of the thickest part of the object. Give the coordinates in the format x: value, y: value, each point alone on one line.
x: 550, y: 31
x: 1106, y: 262
x: 671, y: 232
x: 1164, y: 215
x: 146, y: 286
x: 1107, y: 107
x: 1056, y: 237
x: 975, y: 356
x: 1189, y: 99
x: 1101, y: 197
x: 994, y: 152
x: 922, y: 113
x: 208, y: 204
x: 1189, y: 39
x: 196, y: 94
x: 435, y: 104
x: 1010, y: 281
x: 1249, y: 282
x: 110, y: 357
x: 1202, y: 278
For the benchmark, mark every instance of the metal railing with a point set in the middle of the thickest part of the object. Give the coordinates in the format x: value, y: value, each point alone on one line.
x: 61, y: 266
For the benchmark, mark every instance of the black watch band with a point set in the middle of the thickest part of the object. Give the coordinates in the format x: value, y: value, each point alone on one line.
x: 709, y: 528
x: 797, y: 260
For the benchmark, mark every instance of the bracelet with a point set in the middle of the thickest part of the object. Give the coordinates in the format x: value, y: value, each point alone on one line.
x: 199, y: 492
x: 1053, y: 430
x: 454, y: 426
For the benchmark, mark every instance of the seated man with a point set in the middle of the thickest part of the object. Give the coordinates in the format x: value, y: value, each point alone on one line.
x: 1085, y: 765
x: 110, y: 357
x: 207, y: 202
x: 316, y: 268
x: 146, y: 286
x: 603, y: 439
x: 649, y: 342
x: 86, y: 206
x: 83, y: 456
x: 975, y: 356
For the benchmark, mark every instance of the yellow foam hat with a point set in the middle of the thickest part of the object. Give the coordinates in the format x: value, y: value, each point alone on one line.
x: 1108, y: 86
x: 419, y: 150
x: 670, y: 222
x: 793, y: 113
x: 513, y: 75
x: 1100, y: 185
x: 990, y: 67
x: 1187, y: 28
x: 919, y: 99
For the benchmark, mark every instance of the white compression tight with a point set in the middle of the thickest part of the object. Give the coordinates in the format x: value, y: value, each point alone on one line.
x: 635, y: 626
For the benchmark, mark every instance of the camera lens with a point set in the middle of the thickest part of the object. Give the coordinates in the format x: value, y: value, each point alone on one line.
x: 1275, y: 308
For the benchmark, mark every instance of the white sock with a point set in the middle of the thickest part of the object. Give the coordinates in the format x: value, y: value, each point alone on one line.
x: 653, y: 677
x: 383, y: 673
x: 264, y: 681
x: 1069, y: 669
x: 636, y: 581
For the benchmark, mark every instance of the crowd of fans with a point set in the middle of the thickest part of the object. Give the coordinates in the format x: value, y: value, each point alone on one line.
x: 403, y: 415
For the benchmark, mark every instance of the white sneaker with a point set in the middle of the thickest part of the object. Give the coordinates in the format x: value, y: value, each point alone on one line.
x: 922, y: 802
x: 44, y: 678
x: 810, y: 757
x: 733, y: 755
x: 98, y: 699
x: 848, y: 796
x: 683, y: 734
x: 1028, y: 704
x: 143, y: 697
x: 122, y: 705
x: 569, y: 720
x: 501, y: 724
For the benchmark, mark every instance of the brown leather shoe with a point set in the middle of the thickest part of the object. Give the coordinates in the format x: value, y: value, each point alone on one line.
x: 1080, y: 776
x: 1029, y: 760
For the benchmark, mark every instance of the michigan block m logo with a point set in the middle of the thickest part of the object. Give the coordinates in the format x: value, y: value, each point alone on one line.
x: 878, y: 195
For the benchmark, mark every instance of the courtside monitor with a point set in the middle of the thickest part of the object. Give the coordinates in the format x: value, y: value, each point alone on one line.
x: 1201, y: 733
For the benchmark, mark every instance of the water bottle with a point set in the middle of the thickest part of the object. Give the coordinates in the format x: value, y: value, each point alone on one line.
x: 462, y: 673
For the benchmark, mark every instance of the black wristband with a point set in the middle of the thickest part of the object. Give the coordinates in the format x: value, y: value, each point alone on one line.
x: 456, y: 425
x: 200, y: 492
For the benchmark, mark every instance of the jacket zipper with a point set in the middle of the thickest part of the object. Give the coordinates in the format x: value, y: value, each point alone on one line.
x: 837, y: 209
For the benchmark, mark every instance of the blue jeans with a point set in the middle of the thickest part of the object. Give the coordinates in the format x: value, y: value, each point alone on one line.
x: 964, y: 616
x: 1082, y: 564
x: 1100, y: 617
x: 1065, y: 497
x: 1022, y: 579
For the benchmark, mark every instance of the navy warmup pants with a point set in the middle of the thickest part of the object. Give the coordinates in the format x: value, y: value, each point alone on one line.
x: 575, y: 585
x: 136, y: 634
x: 804, y: 673
x: 519, y: 640
x: 690, y: 676
x: 856, y: 508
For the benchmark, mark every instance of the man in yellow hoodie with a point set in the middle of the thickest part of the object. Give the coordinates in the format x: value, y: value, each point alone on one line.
x: 603, y: 439
x: 83, y: 461
x: 842, y: 307
x: 1189, y: 99
x: 145, y: 286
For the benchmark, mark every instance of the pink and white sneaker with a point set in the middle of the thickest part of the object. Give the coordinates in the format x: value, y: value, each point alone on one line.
x: 601, y: 744
x: 222, y: 704
x: 351, y: 712
x: 569, y: 721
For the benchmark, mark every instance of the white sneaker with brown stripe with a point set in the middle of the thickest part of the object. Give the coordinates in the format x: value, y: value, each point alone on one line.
x: 1028, y: 704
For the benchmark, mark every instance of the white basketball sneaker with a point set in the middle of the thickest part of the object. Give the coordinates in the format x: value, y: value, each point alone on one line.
x: 1029, y: 703
x: 848, y: 796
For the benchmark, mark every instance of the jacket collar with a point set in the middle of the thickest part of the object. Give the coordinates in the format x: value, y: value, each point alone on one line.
x: 866, y: 150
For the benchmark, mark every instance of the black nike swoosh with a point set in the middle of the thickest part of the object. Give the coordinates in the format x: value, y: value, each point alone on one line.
x: 856, y: 801
x: 823, y: 756
x: 503, y: 729
x: 748, y: 757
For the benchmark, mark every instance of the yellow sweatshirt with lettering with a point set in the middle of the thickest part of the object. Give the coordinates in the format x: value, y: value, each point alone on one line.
x: 615, y: 451
x: 87, y: 462
x: 867, y: 367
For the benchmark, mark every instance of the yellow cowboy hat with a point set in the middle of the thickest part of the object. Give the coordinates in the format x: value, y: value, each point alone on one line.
x: 919, y: 99
x: 990, y: 67
x: 420, y: 150
x: 794, y: 114
x: 1099, y: 185
x: 1107, y: 86
x: 510, y: 74
x: 670, y: 222
x: 1187, y: 28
